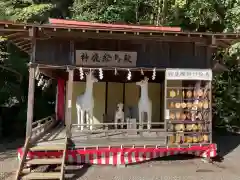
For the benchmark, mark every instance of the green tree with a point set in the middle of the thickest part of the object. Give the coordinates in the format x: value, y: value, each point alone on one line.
x: 34, y: 10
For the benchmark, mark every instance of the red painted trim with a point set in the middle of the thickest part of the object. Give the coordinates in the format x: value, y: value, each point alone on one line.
x: 99, y: 26
x: 115, y: 156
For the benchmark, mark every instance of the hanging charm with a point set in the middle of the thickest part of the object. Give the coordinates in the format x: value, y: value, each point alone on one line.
x: 46, y: 84
x: 40, y: 82
x: 142, y: 73
x: 115, y: 72
x: 100, y: 73
x: 129, y: 75
x: 81, y: 73
x: 154, y: 74
x: 37, y: 74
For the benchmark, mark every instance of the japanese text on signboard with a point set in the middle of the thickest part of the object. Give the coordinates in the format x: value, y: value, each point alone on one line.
x: 188, y: 74
x: 106, y: 58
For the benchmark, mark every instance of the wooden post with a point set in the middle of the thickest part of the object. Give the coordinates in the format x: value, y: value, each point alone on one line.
x: 165, y: 109
x: 56, y: 103
x: 210, y: 112
x: 68, y: 120
x: 31, y: 88
x: 106, y: 100
x: 31, y: 85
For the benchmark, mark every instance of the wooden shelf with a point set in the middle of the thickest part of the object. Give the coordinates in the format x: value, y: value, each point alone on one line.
x: 186, y: 99
x: 190, y: 133
x: 181, y: 109
x: 186, y: 122
x: 184, y: 88
x: 186, y: 145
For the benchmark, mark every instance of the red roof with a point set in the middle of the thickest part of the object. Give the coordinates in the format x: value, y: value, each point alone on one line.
x: 111, y: 27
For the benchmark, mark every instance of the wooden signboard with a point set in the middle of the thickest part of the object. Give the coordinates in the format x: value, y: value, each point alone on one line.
x: 189, y: 74
x: 106, y: 58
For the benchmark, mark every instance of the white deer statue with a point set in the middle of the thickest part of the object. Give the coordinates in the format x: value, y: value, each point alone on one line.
x: 144, y: 103
x: 119, y: 115
x: 85, y: 102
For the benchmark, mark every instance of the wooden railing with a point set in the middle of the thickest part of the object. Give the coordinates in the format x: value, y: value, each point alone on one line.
x: 40, y: 127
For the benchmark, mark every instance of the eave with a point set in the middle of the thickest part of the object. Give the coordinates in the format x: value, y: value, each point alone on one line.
x: 19, y: 33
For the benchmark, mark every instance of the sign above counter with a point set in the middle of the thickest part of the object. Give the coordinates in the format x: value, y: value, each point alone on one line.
x: 189, y: 74
x: 106, y: 58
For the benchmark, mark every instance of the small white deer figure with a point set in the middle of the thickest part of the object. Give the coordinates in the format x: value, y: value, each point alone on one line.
x: 144, y: 103
x: 85, y: 102
x: 119, y: 115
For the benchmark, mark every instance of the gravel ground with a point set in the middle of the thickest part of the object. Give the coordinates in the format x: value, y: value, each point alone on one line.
x: 164, y: 169
x: 8, y: 158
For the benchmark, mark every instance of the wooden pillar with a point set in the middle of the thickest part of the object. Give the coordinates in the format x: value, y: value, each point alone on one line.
x: 106, y: 101
x: 31, y: 85
x: 211, y: 48
x: 56, y: 103
x: 68, y: 120
x: 31, y: 88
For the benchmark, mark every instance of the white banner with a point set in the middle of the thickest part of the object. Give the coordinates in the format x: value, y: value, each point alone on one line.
x: 189, y: 74
x: 106, y: 58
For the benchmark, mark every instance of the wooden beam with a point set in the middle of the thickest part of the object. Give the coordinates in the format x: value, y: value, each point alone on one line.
x: 12, y: 30
x: 121, y: 36
x: 22, y: 42
x: 14, y: 35
x: 17, y: 40
x: 26, y: 49
x: 50, y: 73
x: 68, y: 119
x: 25, y: 45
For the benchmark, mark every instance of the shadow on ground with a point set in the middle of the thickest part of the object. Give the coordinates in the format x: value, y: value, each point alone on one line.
x: 226, y: 143
x: 180, y: 158
x: 75, y: 172
x: 8, y: 148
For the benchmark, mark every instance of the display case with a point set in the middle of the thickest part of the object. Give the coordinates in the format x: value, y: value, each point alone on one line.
x: 188, y: 114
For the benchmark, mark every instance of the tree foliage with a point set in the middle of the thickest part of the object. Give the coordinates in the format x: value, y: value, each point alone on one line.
x: 199, y: 15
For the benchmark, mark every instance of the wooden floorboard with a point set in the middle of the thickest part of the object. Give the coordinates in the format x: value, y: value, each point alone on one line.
x: 116, y: 138
x: 117, y: 142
